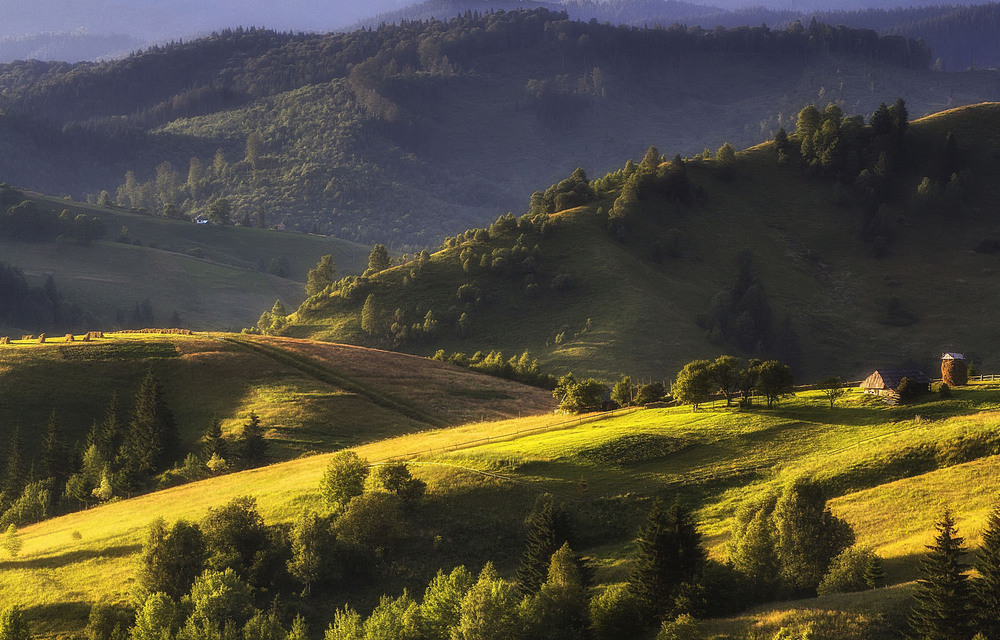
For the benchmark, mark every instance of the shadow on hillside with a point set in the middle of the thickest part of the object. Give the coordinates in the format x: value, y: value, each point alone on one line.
x: 902, y: 568
x: 71, y: 557
x: 58, y: 618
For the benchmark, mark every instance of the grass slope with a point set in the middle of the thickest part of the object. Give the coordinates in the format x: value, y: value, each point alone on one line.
x: 211, y: 276
x: 809, y: 253
x: 893, y: 469
x: 310, y: 397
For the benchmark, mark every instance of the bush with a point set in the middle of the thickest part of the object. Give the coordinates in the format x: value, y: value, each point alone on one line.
x: 395, y: 477
x: 373, y: 521
x: 615, y: 613
x: 684, y: 627
x: 854, y: 569
x: 13, y: 625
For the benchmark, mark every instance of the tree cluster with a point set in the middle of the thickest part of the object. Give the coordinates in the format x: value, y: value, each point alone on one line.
x: 948, y: 603
x: 523, y: 368
x: 25, y: 306
x: 702, y: 380
x: 784, y: 545
x: 122, y: 455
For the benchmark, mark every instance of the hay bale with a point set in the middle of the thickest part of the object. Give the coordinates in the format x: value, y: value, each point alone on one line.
x: 28, y: 337
x: 954, y: 373
x: 85, y: 338
x: 41, y: 338
x: 5, y: 340
x: 69, y: 337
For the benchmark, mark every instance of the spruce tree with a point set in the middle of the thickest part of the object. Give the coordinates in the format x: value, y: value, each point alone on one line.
x: 942, y: 602
x: 55, y: 455
x: 152, y: 434
x: 16, y: 476
x: 546, y: 529
x: 252, y: 442
x: 986, y: 588
x: 215, y: 442
x: 109, y: 434
x: 669, y: 554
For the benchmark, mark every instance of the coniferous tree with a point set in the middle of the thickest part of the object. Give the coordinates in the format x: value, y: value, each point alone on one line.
x: 942, y: 602
x: 152, y: 434
x: 320, y: 276
x: 669, y: 554
x: 547, y: 528
x: 986, y: 587
x: 16, y: 476
x: 252, y: 443
x: 215, y: 442
x: 109, y: 435
x: 55, y: 455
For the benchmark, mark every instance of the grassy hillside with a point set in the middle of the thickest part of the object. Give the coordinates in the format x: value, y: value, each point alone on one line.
x: 310, y: 397
x: 893, y: 469
x: 645, y: 294
x: 377, y: 135
x: 212, y: 277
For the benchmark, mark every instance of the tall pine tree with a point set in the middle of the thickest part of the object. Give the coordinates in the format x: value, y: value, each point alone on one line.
x: 546, y: 529
x: 55, y: 455
x: 16, y: 476
x: 669, y: 554
x: 942, y: 602
x: 986, y: 587
x: 152, y: 434
x: 215, y: 442
x: 252, y: 443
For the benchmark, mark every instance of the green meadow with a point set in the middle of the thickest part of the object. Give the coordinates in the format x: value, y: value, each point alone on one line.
x: 889, y: 471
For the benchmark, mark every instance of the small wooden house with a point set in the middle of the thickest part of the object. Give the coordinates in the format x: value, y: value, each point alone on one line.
x: 884, y: 382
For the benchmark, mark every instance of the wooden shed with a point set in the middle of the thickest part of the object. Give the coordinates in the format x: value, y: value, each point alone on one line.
x: 884, y: 382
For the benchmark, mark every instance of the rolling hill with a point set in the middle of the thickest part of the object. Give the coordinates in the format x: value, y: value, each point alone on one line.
x: 842, y: 296
x: 311, y: 397
x: 891, y: 469
x: 210, y: 277
x: 377, y: 135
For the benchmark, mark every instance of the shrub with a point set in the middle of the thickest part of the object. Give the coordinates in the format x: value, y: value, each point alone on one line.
x: 372, y: 520
x: 854, y: 569
x: 13, y: 625
x: 615, y: 613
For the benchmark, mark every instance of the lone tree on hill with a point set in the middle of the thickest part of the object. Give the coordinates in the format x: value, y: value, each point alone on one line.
x: 832, y: 389
x: 252, y: 443
x: 942, y: 602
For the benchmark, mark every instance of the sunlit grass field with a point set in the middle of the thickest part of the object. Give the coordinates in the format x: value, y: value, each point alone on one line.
x: 890, y: 472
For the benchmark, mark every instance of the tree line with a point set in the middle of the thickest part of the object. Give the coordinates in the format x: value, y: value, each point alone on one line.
x: 124, y: 453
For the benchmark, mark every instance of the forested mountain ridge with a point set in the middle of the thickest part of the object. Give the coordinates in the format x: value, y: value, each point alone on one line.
x: 376, y: 135
x: 823, y: 249
x: 960, y: 35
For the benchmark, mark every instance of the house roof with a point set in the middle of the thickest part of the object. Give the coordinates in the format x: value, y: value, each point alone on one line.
x: 952, y: 356
x: 890, y: 378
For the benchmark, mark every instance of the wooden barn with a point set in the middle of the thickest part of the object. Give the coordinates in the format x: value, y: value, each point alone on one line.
x: 884, y: 382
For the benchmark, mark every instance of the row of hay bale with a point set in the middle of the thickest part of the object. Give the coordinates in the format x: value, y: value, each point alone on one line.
x: 179, y: 332
x: 42, y: 338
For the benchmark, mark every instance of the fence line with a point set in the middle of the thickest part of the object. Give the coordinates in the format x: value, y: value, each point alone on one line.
x: 467, y: 444
x: 989, y: 377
